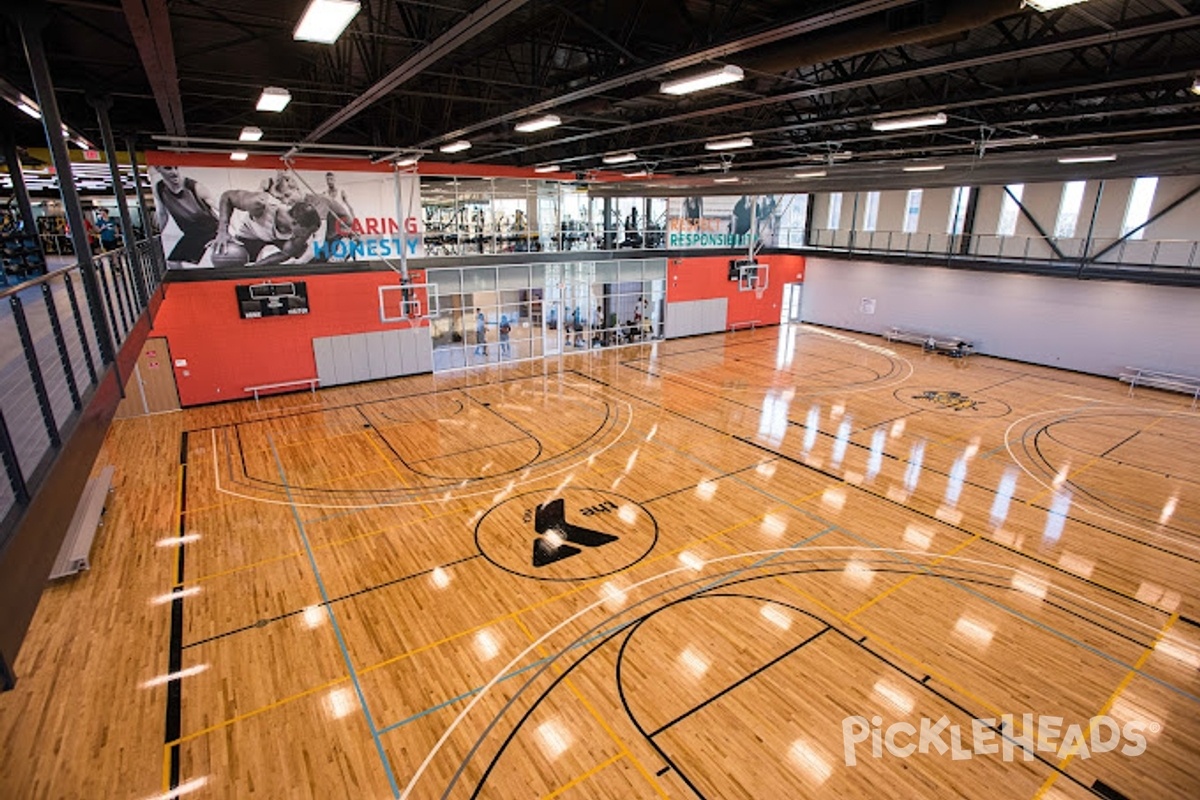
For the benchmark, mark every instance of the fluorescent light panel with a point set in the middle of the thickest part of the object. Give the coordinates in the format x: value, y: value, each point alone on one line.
x: 30, y: 110
x: 456, y: 147
x: 925, y: 168
x: 1051, y: 5
x: 1087, y: 159
x: 407, y: 161
x: 250, y: 134
x: 805, y: 175
x: 273, y: 98
x: 729, y: 144
x: 1195, y: 86
x: 906, y: 123
x: 641, y: 173
x: 704, y: 80
x: 547, y: 168
x: 238, y: 155
x: 539, y: 124
x: 620, y: 158
x: 726, y: 180
x: 324, y: 20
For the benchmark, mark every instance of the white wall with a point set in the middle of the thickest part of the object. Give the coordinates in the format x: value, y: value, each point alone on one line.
x: 1091, y: 326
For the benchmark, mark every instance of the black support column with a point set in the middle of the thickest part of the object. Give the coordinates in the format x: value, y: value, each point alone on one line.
x: 20, y: 191
x: 102, y: 105
x: 32, y: 16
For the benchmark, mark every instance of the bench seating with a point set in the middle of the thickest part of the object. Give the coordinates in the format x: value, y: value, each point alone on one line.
x: 952, y: 345
x: 311, y: 383
x: 76, y: 550
x: 1156, y: 379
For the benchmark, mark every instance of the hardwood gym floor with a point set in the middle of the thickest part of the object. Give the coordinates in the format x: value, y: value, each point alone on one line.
x: 665, y: 571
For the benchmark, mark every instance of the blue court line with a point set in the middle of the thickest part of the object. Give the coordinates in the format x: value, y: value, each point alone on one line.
x: 584, y: 642
x: 362, y: 700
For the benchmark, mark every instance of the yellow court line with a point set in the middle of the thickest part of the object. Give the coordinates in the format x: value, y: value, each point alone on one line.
x: 955, y: 551
x: 1121, y: 687
x: 581, y: 778
x: 624, y: 749
x: 240, y: 499
x: 392, y: 466
x: 255, y: 712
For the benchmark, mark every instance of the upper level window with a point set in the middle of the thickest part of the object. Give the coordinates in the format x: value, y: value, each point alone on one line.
x: 1068, y: 209
x: 871, y: 211
x: 1010, y: 209
x: 958, y: 210
x: 1138, y: 212
x: 912, y: 210
x: 835, y: 211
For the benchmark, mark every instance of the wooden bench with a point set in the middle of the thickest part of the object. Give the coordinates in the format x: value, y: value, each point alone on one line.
x: 931, y: 343
x: 1156, y: 379
x: 77, y: 546
x: 751, y: 324
x: 311, y: 382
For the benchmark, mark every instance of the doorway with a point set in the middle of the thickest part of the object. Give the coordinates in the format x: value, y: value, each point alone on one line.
x: 151, y: 388
x: 793, y: 294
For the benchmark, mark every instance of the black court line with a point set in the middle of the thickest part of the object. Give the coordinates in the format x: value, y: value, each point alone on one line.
x: 173, y: 722
x: 1109, y: 793
x: 416, y: 421
x: 692, y: 486
x: 725, y: 345
x: 745, y: 678
x: 366, y: 590
x: 893, y: 419
x: 468, y: 450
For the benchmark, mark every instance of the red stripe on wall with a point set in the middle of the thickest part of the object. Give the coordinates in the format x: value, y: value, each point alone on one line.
x: 225, y: 353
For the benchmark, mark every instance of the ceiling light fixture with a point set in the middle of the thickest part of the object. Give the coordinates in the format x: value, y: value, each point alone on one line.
x: 250, y: 134
x: 33, y: 112
x: 324, y: 20
x: 730, y: 144
x: 238, y: 155
x: 726, y: 180
x: 641, y: 173
x: 710, y: 166
x: 1087, y: 159
x: 704, y: 80
x: 456, y: 147
x: 547, y: 168
x: 925, y: 168
x: 539, y: 124
x: 807, y: 175
x: 1194, y: 90
x: 1050, y: 5
x: 273, y: 98
x: 907, y: 123
x: 620, y: 158
x: 408, y: 161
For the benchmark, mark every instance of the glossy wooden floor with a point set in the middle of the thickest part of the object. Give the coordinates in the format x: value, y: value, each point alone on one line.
x: 667, y: 571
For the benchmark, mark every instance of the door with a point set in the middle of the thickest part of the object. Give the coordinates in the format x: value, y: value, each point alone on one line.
x: 552, y: 327
x: 793, y: 294
x: 151, y: 388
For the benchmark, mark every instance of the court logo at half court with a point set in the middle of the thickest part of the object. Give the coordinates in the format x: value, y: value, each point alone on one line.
x: 577, y: 534
x: 955, y: 401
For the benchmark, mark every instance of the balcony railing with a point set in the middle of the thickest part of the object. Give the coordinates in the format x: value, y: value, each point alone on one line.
x: 55, y: 351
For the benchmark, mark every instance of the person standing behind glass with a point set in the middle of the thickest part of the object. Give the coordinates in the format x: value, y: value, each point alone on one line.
x: 480, y: 333
x: 505, y: 330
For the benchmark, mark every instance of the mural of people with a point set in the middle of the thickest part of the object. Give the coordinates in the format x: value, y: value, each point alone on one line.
x: 192, y: 207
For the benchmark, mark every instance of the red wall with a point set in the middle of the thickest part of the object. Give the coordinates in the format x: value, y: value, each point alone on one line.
x: 225, y: 353
x: 707, y: 278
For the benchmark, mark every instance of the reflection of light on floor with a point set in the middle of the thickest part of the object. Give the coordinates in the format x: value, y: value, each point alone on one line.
x: 1004, y: 494
x: 1061, y: 478
x: 173, y: 676
x: 858, y: 573
x: 810, y: 761
x: 554, y: 738
x: 875, y: 462
x: 627, y: 514
x: 840, y: 443
x: 486, y: 646
x: 833, y: 499
x: 776, y: 616
x: 912, y: 475
x: 1077, y: 564
x: 314, y: 616
x: 1130, y: 708
x: 1180, y: 651
x: 978, y: 632
x: 1030, y: 584
x: 836, y: 412
x: 692, y: 661
x: 706, y: 489
x: 897, y: 698
x: 812, y: 426
x: 1056, y: 517
x: 439, y: 578
x: 340, y: 703
x: 177, y: 541
x: 773, y: 525
x: 1009, y: 538
x: 1168, y: 510
x: 898, y: 429
x: 632, y: 460
x: 766, y: 469
x: 954, y: 484
x: 554, y: 538
x: 1157, y: 596
x: 691, y: 560
x: 918, y: 537
x: 182, y: 789
x: 178, y: 594
x: 653, y: 431
x: 614, y: 595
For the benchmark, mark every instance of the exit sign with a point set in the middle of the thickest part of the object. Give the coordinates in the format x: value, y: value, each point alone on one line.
x: 91, y: 155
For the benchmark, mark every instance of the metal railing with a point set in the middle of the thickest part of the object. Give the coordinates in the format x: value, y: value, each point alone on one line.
x: 55, y: 345
x: 1107, y: 252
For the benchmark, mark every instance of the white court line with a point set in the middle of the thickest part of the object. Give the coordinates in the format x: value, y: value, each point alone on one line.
x: 403, y: 503
x: 1078, y: 413
x: 506, y: 669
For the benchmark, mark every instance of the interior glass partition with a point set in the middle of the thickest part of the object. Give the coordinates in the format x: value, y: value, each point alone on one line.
x: 493, y: 314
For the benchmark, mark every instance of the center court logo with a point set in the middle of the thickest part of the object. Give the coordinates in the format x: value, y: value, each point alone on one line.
x: 983, y: 737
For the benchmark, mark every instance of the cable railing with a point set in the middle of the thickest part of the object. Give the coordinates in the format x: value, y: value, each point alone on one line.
x: 1111, y: 253
x: 57, y: 343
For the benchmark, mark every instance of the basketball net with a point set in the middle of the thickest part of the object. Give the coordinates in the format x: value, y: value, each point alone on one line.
x: 758, y: 291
